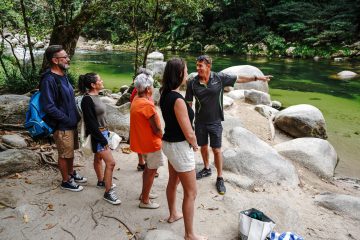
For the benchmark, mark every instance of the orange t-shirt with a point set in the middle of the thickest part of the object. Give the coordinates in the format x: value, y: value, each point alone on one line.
x: 142, y: 138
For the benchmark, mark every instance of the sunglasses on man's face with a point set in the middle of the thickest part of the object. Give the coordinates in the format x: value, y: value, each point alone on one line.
x: 203, y: 58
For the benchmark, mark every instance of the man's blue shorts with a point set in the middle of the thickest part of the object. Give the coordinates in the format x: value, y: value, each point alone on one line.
x: 205, y: 130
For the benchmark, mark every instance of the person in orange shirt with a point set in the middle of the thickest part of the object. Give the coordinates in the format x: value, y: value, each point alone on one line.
x: 145, y: 136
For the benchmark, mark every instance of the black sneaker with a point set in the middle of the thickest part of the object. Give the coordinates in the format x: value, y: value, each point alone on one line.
x: 111, y: 197
x: 220, y: 186
x: 205, y: 172
x: 101, y: 184
x: 140, y: 167
x: 78, y: 178
x: 71, y: 186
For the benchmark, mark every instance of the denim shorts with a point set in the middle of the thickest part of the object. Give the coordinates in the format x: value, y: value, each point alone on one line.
x: 205, y: 130
x: 106, y: 134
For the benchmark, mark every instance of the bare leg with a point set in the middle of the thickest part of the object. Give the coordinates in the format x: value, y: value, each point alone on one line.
x: 70, y: 165
x: 64, y: 170
x: 98, y: 167
x: 188, y: 181
x: 141, y: 159
x: 205, y: 155
x: 148, y: 179
x: 171, y: 195
x: 109, y: 167
x: 218, y: 161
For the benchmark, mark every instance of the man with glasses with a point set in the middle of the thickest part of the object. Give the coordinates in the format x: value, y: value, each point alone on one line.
x: 208, y: 88
x: 58, y: 102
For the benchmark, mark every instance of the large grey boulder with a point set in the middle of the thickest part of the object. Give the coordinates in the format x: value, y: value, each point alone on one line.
x: 248, y: 71
x: 116, y: 96
x: 229, y: 123
x: 14, y: 140
x: 162, y: 235
x: 18, y: 160
x: 302, y: 121
x: 345, y: 204
x: 118, y: 119
x: 13, y: 108
x: 266, y: 111
x: 157, y: 68
x: 123, y: 88
x: 236, y: 94
x: 227, y: 102
x: 155, y: 63
x: 257, y: 97
x: 155, y: 56
x: 257, y: 160
x: 276, y: 104
x: 108, y: 100
x: 315, y: 154
x: 125, y: 98
x: 240, y: 181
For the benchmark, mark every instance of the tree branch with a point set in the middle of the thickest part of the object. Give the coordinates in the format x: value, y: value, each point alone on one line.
x: 117, y: 219
x: 152, y: 33
x: 28, y: 34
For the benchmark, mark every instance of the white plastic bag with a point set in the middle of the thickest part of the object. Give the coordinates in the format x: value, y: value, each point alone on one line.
x: 114, y: 140
x: 254, y: 229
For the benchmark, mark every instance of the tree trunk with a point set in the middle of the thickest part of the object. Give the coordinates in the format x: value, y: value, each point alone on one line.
x: 135, y: 10
x: 152, y: 33
x: 28, y: 35
x: 68, y: 33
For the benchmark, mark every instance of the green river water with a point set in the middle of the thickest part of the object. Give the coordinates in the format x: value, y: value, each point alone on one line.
x: 296, y: 81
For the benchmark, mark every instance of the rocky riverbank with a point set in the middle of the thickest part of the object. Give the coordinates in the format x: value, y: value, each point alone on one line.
x: 19, y: 43
x: 277, y: 161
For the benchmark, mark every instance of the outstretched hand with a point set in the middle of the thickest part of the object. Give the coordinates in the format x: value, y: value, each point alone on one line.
x: 265, y: 78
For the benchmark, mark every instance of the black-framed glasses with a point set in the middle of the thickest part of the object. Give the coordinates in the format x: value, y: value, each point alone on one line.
x: 63, y: 57
x: 205, y: 58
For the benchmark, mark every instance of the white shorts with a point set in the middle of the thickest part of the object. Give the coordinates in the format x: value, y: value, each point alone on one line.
x: 154, y: 159
x: 180, y: 155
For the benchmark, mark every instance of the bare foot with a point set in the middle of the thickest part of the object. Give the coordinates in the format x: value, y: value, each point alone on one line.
x: 196, y: 237
x: 175, y: 217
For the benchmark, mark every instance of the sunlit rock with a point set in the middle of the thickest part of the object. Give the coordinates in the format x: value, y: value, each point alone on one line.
x: 248, y: 71
x: 302, y: 120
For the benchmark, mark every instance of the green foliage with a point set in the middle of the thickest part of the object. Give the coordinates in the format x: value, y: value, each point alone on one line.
x: 275, y: 44
x: 19, y: 82
x: 316, y: 23
x: 305, y: 51
x: 73, y: 78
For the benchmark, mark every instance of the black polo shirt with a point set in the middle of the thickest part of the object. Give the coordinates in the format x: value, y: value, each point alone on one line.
x: 209, y: 98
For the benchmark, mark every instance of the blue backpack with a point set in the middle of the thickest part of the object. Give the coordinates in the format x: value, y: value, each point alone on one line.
x: 35, y: 121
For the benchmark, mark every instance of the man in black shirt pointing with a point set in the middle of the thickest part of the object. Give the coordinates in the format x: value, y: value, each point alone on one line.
x: 208, y: 89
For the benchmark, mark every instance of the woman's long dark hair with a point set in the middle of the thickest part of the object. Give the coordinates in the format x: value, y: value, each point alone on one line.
x: 85, y: 81
x: 173, y: 75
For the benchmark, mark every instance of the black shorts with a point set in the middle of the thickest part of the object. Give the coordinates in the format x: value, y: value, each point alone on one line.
x: 205, y: 130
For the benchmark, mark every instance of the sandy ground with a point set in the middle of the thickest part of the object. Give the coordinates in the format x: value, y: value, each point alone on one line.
x: 44, y: 211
